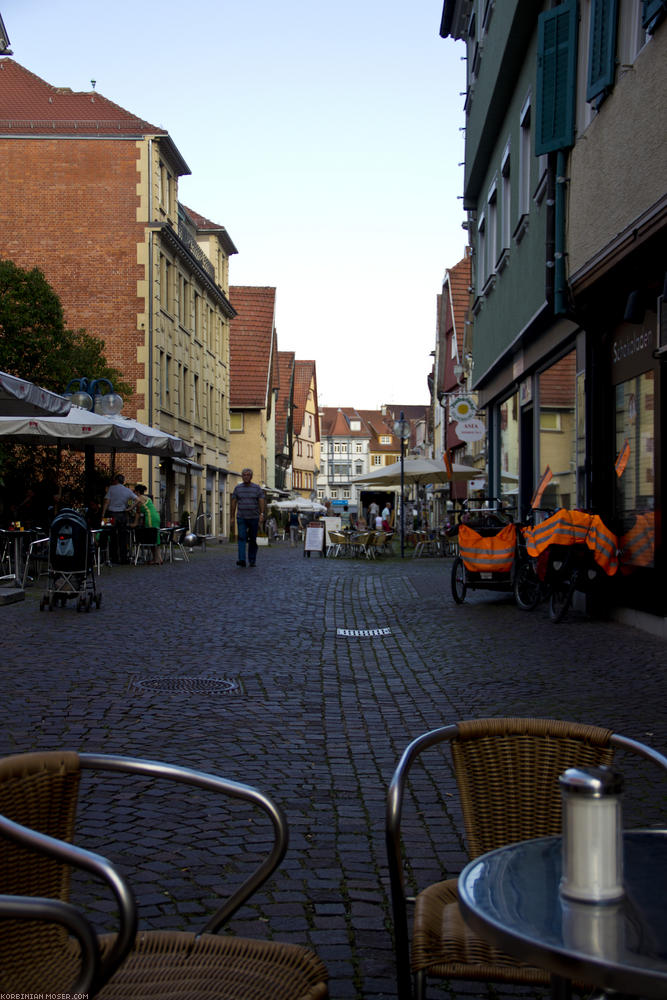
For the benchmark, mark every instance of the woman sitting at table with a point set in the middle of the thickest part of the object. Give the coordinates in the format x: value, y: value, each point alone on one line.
x: 148, y: 532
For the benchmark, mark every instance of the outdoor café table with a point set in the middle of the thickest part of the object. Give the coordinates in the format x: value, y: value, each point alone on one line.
x: 510, y: 897
x: 19, y: 542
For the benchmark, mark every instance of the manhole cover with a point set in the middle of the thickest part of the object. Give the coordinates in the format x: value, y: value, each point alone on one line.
x: 186, y: 685
x: 362, y: 633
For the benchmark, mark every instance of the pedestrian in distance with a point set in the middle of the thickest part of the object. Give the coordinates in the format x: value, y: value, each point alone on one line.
x: 294, y: 528
x: 247, y: 507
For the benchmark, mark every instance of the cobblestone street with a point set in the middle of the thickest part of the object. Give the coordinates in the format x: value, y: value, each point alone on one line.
x: 316, y: 720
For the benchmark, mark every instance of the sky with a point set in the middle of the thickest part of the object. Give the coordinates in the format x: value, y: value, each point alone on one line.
x: 326, y: 138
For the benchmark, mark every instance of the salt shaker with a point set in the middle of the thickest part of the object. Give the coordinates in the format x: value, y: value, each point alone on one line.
x: 592, y: 834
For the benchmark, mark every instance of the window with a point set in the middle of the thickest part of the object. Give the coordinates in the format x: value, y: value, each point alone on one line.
x: 166, y: 293
x: 186, y: 407
x: 385, y: 439
x: 358, y: 469
x: 635, y: 486
x: 377, y: 459
x: 236, y: 421
x: 524, y: 160
x: 359, y: 448
x: 492, y: 229
x: 505, y: 200
x: 346, y: 494
x: 556, y: 77
x: 558, y: 431
x: 337, y: 448
x: 198, y: 316
x: 601, y: 49
x: 481, y: 255
x: 334, y: 494
x: 195, y: 394
x: 355, y: 425
x: 167, y: 374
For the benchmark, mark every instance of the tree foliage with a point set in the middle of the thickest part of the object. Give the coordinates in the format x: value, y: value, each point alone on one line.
x: 35, y: 344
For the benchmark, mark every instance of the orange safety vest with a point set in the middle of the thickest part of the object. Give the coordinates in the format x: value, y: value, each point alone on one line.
x: 572, y: 527
x: 487, y: 555
x: 638, y: 544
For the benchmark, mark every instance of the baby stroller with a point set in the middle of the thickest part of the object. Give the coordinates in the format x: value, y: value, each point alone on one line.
x: 71, y: 564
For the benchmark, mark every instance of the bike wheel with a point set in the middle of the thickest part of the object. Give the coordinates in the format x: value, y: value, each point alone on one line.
x: 561, y: 598
x: 527, y: 587
x: 459, y: 581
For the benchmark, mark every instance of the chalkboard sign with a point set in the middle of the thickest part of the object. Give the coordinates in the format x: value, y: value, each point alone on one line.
x: 314, y: 537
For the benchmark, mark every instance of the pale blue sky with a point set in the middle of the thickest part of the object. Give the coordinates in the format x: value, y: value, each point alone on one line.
x: 325, y: 137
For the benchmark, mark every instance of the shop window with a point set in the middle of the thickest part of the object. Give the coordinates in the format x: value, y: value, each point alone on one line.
x: 558, y: 432
x: 635, y: 451
x: 508, y: 414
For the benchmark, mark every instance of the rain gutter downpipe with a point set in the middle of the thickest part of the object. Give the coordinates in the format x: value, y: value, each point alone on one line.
x: 560, y: 282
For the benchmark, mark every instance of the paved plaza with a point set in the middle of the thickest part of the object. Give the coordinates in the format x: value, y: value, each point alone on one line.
x: 242, y: 672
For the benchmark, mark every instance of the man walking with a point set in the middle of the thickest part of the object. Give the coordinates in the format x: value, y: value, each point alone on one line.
x: 247, y: 507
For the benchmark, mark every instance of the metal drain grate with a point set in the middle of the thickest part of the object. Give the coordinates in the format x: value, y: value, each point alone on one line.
x: 362, y: 633
x: 185, y: 685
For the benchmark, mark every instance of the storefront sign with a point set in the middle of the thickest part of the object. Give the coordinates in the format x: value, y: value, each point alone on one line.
x: 462, y: 408
x: 470, y: 430
x: 632, y: 349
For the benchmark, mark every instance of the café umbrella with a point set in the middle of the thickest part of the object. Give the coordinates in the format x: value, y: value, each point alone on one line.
x: 417, y: 470
x: 20, y: 398
x: 81, y: 429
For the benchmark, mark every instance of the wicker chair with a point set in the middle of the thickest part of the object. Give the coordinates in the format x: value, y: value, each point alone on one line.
x: 506, y: 772
x: 38, y: 803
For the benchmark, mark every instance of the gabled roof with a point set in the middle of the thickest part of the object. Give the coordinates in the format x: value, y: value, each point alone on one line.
x: 335, y: 422
x: 204, y: 225
x: 285, y: 386
x: 29, y: 106
x: 305, y: 374
x: 458, y: 278
x: 380, y: 425
x: 251, y: 346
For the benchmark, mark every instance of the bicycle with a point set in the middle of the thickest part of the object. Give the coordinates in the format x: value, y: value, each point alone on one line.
x: 530, y: 586
x: 579, y: 552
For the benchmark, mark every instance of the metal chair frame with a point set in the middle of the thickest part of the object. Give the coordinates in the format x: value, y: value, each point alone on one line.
x: 102, y: 958
x: 487, y: 756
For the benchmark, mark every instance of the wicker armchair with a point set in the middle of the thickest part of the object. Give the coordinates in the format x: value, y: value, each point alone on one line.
x: 506, y: 773
x: 48, y: 945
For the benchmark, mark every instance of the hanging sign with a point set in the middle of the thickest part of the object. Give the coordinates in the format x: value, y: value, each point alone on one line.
x: 472, y: 429
x: 462, y: 408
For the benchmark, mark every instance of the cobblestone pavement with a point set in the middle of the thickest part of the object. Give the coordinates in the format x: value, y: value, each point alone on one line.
x: 315, y: 719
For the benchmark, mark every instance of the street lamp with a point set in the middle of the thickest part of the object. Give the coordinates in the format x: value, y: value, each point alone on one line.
x: 402, y: 431
x: 90, y: 395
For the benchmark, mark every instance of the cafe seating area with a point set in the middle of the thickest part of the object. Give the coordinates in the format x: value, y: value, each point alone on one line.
x: 358, y: 544
x: 507, y: 773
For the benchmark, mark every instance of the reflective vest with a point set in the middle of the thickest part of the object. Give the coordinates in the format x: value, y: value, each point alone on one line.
x: 487, y: 555
x: 638, y: 544
x: 572, y: 527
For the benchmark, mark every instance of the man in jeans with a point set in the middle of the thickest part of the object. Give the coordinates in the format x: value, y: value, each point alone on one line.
x: 247, y: 507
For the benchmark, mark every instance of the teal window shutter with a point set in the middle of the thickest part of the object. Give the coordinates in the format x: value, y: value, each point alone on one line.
x: 556, y: 77
x: 651, y: 13
x: 602, y: 48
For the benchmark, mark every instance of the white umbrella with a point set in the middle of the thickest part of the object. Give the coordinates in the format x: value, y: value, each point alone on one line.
x: 83, y: 428
x: 305, y: 506
x: 19, y: 398
x: 417, y: 470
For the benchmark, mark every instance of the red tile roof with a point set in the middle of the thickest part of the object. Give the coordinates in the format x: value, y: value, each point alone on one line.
x: 285, y: 365
x: 31, y: 106
x: 251, y: 345
x: 304, y: 374
x: 205, y: 225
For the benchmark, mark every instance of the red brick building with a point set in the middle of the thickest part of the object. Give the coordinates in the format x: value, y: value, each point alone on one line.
x: 90, y: 196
